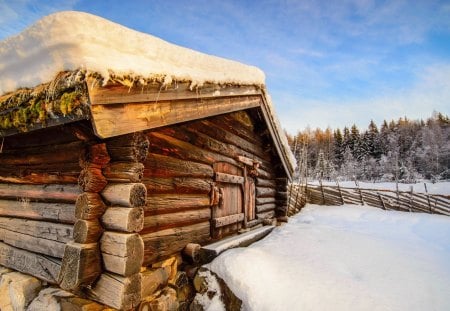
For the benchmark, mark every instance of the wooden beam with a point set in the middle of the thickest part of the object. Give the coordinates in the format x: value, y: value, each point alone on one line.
x: 53, y: 193
x: 40, y: 266
x: 124, y: 172
x: 81, y: 265
x: 128, y: 195
x: 178, y: 219
x: 169, y: 203
x: 34, y: 244
x: 122, y: 252
x: 123, y: 219
x: 179, y: 185
x: 161, y: 244
x: 119, y: 119
x: 122, y: 293
x: 87, y: 231
x: 162, y: 166
x: 167, y: 145
x: 228, y: 178
x: 227, y: 220
x: 60, y: 212
x: 46, y: 230
x: 89, y: 205
x: 116, y: 93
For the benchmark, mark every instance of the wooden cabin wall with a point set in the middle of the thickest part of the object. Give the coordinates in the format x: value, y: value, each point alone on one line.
x: 179, y: 175
x: 38, y: 189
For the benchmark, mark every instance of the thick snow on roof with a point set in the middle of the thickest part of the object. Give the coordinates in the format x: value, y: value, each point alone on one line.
x: 73, y: 40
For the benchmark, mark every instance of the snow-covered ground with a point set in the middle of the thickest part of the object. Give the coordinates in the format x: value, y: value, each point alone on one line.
x: 345, y: 258
x: 436, y: 188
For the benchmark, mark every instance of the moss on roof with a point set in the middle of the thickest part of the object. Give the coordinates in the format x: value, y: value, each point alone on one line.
x: 65, y: 96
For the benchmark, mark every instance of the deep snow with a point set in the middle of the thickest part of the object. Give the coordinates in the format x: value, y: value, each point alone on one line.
x: 345, y: 258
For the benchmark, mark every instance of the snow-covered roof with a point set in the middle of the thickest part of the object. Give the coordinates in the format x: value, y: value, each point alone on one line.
x: 73, y: 46
x: 73, y: 40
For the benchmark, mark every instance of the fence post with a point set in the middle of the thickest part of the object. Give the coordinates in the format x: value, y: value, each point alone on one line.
x: 411, y: 198
x: 428, y: 198
x: 323, y: 195
x: 340, y: 193
x: 360, y: 193
x: 381, y: 200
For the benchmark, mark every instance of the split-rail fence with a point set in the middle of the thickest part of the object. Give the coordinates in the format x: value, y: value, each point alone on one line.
x: 407, y: 201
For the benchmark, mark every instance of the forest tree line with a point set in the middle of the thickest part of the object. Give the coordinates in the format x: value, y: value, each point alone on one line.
x: 403, y: 150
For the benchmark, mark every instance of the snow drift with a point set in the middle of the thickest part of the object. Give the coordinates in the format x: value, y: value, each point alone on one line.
x: 345, y: 258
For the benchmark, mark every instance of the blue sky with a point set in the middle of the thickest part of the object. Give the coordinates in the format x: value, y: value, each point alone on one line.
x: 327, y: 63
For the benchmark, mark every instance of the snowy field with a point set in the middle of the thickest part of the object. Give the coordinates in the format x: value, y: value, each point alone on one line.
x: 344, y: 258
x: 436, y: 188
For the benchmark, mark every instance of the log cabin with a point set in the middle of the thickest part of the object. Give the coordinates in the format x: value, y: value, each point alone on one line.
x: 129, y: 157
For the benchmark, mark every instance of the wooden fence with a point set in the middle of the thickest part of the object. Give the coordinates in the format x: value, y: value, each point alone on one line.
x: 386, y: 199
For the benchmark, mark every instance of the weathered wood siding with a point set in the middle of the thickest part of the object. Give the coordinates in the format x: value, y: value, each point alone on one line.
x: 179, y: 177
x: 38, y: 189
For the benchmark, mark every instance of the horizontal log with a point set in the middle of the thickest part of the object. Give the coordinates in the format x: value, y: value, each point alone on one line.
x: 260, y: 201
x: 122, y: 252
x: 33, y: 244
x: 209, y: 128
x: 177, y: 185
x: 228, y: 178
x: 87, y: 231
x: 281, y: 195
x: 265, y: 182
x: 91, y: 179
x: 231, y: 124
x: 46, y: 230
x: 227, y: 220
x: 254, y: 223
x: 161, y: 244
x: 166, y: 203
x: 265, y: 215
x: 47, y: 193
x: 70, y: 152
x: 60, y: 212
x: 162, y: 166
x: 123, y: 219
x: 121, y: 293
x: 204, y: 141
x: 124, y: 172
x: 263, y: 174
x: 153, y: 280
x: 132, y: 147
x: 263, y: 192
x: 89, y: 205
x: 265, y: 207
x: 172, y: 147
x: 178, y: 219
x: 40, y: 266
x: 81, y: 265
x: 128, y: 195
x: 96, y: 154
x: 40, y: 178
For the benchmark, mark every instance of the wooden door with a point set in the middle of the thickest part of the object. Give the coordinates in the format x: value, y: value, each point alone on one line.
x: 228, y: 212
